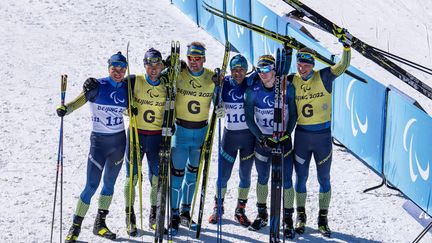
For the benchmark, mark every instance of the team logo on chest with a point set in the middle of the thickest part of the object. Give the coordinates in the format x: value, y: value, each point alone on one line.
x: 194, y: 84
x: 267, y: 100
x: 152, y: 93
x: 305, y: 87
x: 116, y: 99
x: 234, y: 96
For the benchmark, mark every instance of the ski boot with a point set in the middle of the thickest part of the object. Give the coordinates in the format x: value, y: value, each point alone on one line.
x: 261, y: 219
x: 240, y: 215
x: 185, y: 220
x: 213, y: 219
x: 289, y: 232
x: 100, y: 227
x: 173, y: 227
x: 323, y: 227
x: 152, y: 217
x: 131, y: 227
x: 301, y: 220
x: 74, y: 230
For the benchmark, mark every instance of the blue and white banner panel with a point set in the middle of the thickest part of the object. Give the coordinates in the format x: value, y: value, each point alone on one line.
x: 266, y: 18
x: 359, y: 118
x: 213, y: 24
x: 407, y: 157
x: 418, y: 214
x: 239, y: 36
x: 188, y: 7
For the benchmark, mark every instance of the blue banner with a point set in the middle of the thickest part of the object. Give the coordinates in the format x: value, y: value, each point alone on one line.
x: 188, y: 7
x: 417, y: 214
x: 213, y: 24
x: 266, y: 18
x: 239, y: 36
x: 359, y: 118
x: 400, y: 139
x: 407, y: 150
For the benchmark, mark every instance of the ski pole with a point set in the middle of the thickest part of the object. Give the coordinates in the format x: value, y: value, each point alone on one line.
x: 59, y: 168
x: 131, y: 145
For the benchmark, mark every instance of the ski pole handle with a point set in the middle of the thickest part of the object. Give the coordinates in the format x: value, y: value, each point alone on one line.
x: 217, y: 76
x: 63, y: 88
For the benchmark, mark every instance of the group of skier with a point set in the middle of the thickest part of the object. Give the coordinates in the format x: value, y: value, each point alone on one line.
x: 248, y: 103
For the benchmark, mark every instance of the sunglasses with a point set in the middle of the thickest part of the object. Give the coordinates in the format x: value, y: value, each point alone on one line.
x: 195, y: 58
x: 265, y: 69
x: 152, y: 60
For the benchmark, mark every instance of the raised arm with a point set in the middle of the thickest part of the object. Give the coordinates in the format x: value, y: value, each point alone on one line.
x: 340, y: 67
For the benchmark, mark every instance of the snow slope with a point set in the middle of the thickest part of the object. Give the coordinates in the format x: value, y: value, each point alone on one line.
x: 42, y: 39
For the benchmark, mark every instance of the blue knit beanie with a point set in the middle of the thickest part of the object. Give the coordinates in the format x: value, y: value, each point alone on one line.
x: 152, y: 56
x: 239, y: 61
x: 117, y: 60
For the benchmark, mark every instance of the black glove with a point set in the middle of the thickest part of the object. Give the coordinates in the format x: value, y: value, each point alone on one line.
x: 90, y: 84
x: 267, y: 141
x: 285, y: 141
x: 288, y: 50
x: 167, y: 61
x: 61, y: 111
x: 183, y: 65
x: 295, y: 13
x: 164, y: 77
x: 134, y: 110
x: 217, y: 77
x: 344, y: 37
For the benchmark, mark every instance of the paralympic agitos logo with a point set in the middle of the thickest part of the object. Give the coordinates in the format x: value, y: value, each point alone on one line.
x: 194, y: 84
x: 268, y: 101
x: 305, y: 87
x: 350, y: 104
x: 115, y: 98
x: 412, y: 153
x: 152, y: 93
x: 234, y: 96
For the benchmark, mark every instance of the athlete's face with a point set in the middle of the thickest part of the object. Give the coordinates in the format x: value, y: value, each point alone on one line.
x: 196, y: 63
x: 238, y: 74
x: 304, y: 69
x: 117, y: 73
x: 153, y: 70
x: 268, y: 78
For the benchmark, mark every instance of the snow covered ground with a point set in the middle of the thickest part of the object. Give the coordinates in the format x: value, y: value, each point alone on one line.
x: 42, y: 39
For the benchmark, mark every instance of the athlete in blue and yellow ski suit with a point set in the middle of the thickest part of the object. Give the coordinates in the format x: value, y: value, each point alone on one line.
x: 149, y: 95
x: 195, y: 90
x: 237, y: 138
x: 108, y: 99
x: 313, y: 132
x: 259, y: 110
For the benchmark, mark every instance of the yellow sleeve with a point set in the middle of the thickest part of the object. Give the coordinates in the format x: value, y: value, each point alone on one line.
x: 340, y: 67
x: 79, y: 101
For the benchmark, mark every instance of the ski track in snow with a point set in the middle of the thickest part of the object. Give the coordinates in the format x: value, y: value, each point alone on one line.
x: 42, y: 39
